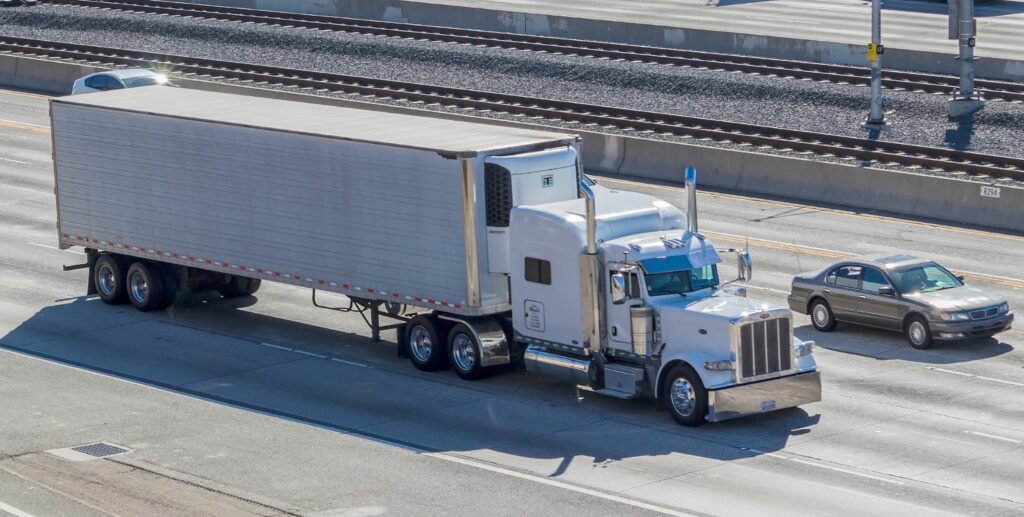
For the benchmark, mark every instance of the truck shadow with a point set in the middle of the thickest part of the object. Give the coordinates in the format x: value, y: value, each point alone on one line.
x: 220, y: 354
x: 890, y: 345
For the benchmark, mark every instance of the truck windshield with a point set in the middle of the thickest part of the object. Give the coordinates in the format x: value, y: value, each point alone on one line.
x: 681, y: 282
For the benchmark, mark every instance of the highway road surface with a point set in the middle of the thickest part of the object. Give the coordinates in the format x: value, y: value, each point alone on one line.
x: 268, y: 406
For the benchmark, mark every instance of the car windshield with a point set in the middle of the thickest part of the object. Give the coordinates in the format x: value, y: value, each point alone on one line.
x: 924, y: 279
x: 681, y: 282
x: 146, y: 80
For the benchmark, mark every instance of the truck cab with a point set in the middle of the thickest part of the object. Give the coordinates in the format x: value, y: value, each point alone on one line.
x: 619, y: 293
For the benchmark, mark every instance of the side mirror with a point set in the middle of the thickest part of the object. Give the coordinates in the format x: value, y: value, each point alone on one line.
x: 960, y: 277
x: 746, y: 267
x: 886, y: 290
x: 618, y: 283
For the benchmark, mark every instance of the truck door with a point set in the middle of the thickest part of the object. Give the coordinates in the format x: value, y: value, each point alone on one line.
x: 620, y: 330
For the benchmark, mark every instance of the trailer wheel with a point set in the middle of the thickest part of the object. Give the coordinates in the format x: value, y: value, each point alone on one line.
x: 145, y: 285
x: 425, y: 348
x: 238, y: 286
x: 108, y: 276
x: 685, y: 396
x: 464, y: 353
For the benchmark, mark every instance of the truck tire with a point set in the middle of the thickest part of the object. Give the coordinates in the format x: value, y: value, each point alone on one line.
x: 145, y: 285
x: 108, y: 276
x: 918, y: 334
x: 821, y: 316
x: 685, y: 396
x: 426, y: 351
x: 238, y: 286
x: 464, y: 353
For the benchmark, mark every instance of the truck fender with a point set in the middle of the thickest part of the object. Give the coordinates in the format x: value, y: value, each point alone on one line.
x: 489, y: 334
x: 695, y: 360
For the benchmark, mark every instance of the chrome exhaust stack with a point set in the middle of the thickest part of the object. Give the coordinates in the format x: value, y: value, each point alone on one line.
x: 590, y: 279
x: 691, y: 199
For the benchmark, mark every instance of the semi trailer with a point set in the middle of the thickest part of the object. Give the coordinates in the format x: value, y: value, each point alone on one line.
x: 486, y: 244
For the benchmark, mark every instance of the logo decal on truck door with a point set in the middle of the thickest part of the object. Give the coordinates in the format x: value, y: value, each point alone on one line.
x: 547, y: 181
x: 534, y: 315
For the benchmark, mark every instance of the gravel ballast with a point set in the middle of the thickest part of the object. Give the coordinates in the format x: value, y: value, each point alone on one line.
x: 822, y: 107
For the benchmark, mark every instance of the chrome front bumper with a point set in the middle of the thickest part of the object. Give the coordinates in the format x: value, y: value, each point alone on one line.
x: 764, y: 396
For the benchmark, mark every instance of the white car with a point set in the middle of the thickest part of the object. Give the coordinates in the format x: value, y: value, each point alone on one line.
x: 117, y: 79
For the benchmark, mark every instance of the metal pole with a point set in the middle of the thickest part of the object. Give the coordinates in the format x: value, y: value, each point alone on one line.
x: 966, y: 21
x: 875, y: 50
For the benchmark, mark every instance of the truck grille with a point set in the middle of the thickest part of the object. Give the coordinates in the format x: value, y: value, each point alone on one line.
x: 765, y: 348
x: 984, y: 313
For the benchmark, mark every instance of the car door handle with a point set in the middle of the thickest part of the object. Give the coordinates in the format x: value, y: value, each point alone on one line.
x: 827, y: 290
x: 862, y: 297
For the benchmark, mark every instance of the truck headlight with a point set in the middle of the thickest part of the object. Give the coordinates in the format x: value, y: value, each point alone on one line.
x: 804, y: 348
x: 719, y: 366
x: 1004, y: 308
x: 954, y: 316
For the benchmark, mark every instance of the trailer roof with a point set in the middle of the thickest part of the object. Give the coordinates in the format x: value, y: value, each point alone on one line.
x: 449, y: 137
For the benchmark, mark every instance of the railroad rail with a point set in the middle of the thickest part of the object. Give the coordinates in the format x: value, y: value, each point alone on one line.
x: 642, y: 123
x: 911, y: 81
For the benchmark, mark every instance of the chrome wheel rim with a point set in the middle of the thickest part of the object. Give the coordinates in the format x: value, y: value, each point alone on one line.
x: 917, y: 332
x: 106, y: 280
x: 419, y: 343
x: 139, y: 287
x: 684, y: 400
x: 463, y: 353
x: 820, y: 315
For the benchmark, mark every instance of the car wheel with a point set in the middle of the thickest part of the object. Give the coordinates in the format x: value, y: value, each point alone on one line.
x: 918, y: 333
x: 685, y: 396
x: 821, y: 316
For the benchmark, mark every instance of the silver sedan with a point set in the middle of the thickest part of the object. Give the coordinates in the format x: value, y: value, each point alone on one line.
x: 899, y: 292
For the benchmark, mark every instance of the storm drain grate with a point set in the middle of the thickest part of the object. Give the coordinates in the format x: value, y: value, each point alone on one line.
x: 99, y: 450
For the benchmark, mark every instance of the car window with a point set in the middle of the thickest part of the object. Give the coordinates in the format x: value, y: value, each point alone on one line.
x: 924, y: 278
x: 98, y: 82
x: 873, y: 280
x: 847, y: 276
x: 113, y: 83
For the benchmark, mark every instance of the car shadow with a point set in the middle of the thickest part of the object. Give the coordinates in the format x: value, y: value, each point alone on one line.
x: 889, y: 345
x: 216, y: 350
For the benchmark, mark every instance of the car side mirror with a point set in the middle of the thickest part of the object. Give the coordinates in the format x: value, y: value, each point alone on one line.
x: 619, y: 295
x: 886, y: 290
x: 960, y: 277
x: 746, y: 267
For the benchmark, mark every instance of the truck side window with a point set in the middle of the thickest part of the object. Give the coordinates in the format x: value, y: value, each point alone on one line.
x: 538, y: 271
x: 632, y: 284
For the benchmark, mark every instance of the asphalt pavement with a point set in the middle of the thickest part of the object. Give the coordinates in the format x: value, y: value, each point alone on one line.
x: 269, y: 406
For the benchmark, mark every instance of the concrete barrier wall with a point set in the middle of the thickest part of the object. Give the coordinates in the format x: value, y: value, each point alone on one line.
x: 635, y: 33
x: 860, y: 188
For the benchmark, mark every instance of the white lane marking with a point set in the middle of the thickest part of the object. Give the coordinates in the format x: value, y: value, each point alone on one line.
x: 829, y: 467
x: 979, y: 377
x: 13, y: 511
x: 557, y: 484
x: 994, y: 437
x: 14, y: 161
x: 279, y: 347
x: 353, y: 363
x: 311, y: 354
x: 47, y: 246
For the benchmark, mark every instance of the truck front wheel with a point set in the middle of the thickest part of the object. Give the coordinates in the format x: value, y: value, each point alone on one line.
x: 145, y: 286
x: 464, y: 352
x: 426, y: 351
x: 685, y: 396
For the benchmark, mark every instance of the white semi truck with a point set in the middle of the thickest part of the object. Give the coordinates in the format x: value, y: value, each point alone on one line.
x: 486, y: 242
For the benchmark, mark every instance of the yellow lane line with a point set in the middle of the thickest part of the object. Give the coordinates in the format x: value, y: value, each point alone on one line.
x: 838, y: 255
x: 966, y: 231
x: 23, y: 125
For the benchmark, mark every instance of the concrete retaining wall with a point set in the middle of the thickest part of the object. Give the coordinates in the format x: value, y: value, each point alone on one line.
x: 861, y: 188
x: 635, y: 33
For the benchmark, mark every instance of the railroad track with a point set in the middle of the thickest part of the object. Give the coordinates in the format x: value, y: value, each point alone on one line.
x: 911, y: 81
x: 539, y: 110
